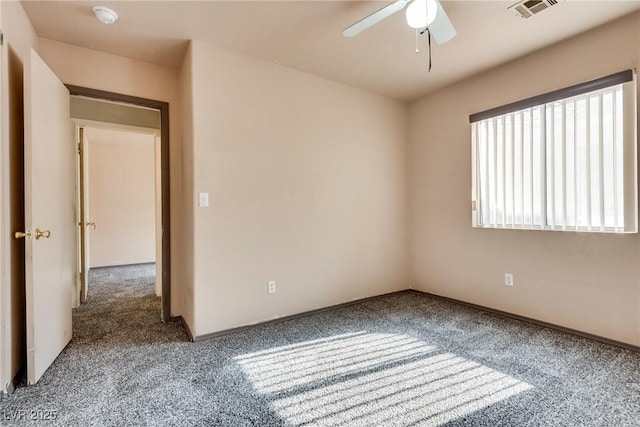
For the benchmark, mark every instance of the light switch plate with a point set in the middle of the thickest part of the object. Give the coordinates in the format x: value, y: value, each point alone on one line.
x: 508, y: 279
x: 203, y: 200
x: 271, y: 286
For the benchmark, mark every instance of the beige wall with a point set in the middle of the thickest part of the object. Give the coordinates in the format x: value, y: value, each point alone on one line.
x: 587, y: 282
x: 90, y: 68
x: 186, y: 225
x: 3, y: 231
x: 121, y: 196
x: 307, y: 185
x: 19, y: 38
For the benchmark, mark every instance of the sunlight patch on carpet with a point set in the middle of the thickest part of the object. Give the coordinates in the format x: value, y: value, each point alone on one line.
x: 366, y: 378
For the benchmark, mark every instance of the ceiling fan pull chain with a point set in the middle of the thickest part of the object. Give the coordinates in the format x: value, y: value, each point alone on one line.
x: 426, y: 30
x: 429, y: 36
x: 417, y: 50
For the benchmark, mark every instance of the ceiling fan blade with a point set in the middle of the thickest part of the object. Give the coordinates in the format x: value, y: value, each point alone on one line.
x: 375, y: 17
x: 441, y: 28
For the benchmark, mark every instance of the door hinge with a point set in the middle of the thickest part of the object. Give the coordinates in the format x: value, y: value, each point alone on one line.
x: 1, y: 38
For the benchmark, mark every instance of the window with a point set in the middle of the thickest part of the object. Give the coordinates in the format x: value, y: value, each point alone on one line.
x: 566, y: 160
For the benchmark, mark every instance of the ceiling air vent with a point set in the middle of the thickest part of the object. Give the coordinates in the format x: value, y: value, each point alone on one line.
x: 528, y: 8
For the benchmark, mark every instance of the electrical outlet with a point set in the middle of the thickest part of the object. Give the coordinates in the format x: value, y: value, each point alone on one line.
x: 508, y: 279
x: 271, y: 286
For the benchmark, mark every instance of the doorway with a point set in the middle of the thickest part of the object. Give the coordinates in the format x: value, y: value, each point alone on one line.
x: 50, y: 224
x: 119, y: 203
x: 137, y: 115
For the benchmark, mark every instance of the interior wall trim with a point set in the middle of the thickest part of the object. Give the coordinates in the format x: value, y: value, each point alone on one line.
x: 125, y: 265
x: 13, y: 384
x: 291, y: 317
x: 536, y: 322
x: 508, y: 315
x: 185, y: 325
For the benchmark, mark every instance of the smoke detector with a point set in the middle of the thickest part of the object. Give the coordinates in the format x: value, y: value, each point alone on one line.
x: 105, y: 15
x: 528, y: 8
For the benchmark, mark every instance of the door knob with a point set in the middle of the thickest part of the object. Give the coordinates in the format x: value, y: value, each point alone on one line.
x: 21, y: 235
x: 42, y: 233
x: 91, y: 224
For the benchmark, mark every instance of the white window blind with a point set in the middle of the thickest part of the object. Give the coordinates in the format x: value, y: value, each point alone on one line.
x: 566, y: 164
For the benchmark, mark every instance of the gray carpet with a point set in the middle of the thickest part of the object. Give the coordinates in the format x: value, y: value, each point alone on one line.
x: 400, y: 360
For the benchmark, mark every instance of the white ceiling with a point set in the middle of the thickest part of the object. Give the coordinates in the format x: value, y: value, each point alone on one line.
x: 307, y: 35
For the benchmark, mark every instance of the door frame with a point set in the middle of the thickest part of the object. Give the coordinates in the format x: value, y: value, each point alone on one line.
x: 80, y: 295
x: 163, y: 107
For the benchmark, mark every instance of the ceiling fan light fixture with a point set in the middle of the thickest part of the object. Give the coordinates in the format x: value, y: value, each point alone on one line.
x: 105, y: 15
x: 421, y: 13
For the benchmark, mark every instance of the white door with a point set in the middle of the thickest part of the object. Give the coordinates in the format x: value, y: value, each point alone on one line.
x: 50, y: 216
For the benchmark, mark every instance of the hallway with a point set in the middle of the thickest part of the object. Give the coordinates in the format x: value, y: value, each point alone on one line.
x: 122, y: 309
x: 114, y: 361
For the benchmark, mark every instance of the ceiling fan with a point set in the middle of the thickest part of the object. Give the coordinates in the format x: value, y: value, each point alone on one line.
x: 425, y: 15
